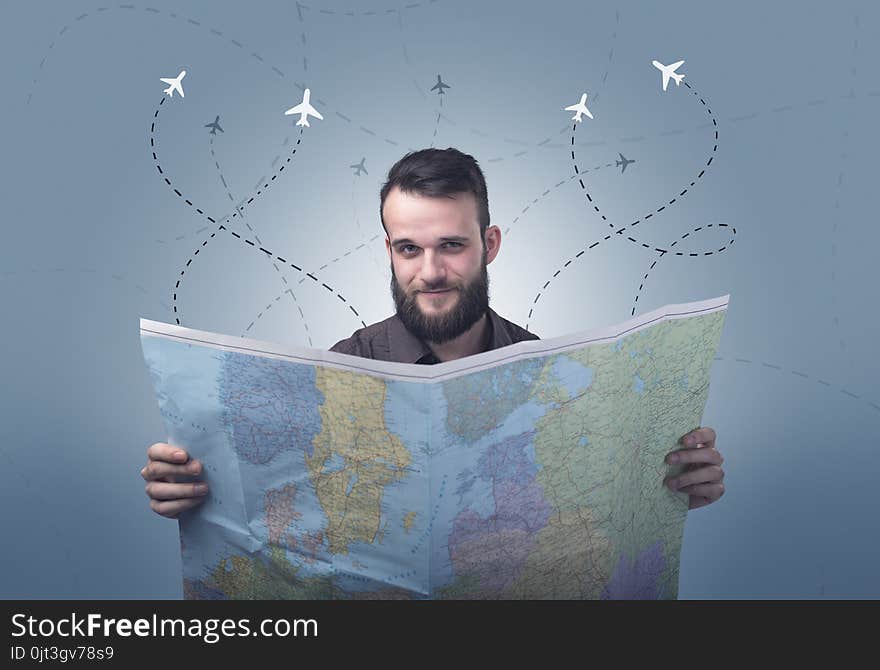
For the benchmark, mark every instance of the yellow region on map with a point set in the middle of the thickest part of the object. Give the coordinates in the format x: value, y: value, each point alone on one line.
x: 353, y: 432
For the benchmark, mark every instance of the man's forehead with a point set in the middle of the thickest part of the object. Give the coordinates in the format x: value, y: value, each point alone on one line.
x: 412, y: 215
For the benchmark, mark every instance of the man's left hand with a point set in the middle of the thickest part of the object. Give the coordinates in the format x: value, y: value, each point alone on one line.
x: 703, y: 476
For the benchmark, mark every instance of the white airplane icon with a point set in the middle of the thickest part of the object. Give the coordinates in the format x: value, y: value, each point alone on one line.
x: 669, y: 71
x: 304, y: 109
x: 579, y: 108
x: 174, y: 84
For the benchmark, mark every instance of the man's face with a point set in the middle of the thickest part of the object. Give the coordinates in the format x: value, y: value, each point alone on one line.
x: 439, y: 280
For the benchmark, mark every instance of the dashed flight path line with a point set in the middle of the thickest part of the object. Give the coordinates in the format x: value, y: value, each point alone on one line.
x: 360, y: 246
x: 543, y: 144
x: 555, y: 186
x: 228, y: 220
x: 546, y: 143
x: 302, y: 279
x: 198, y: 231
x: 622, y: 229
x: 803, y: 375
x: 686, y: 235
x: 305, y: 323
x: 437, y: 122
x: 219, y: 34
x: 188, y: 21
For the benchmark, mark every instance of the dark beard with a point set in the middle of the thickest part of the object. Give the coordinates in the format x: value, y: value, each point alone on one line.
x: 472, y: 304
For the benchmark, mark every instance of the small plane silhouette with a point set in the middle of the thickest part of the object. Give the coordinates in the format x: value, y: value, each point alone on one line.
x: 579, y: 108
x: 623, y: 162
x: 669, y: 71
x: 304, y: 109
x: 174, y: 84
x: 215, y: 126
x: 439, y: 86
x: 359, y: 167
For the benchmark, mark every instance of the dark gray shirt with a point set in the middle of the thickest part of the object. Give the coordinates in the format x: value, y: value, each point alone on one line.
x: 389, y: 340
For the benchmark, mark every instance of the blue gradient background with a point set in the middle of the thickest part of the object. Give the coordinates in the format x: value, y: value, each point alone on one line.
x: 93, y: 239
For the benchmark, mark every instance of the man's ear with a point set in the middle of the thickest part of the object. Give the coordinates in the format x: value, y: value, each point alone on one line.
x: 493, y: 243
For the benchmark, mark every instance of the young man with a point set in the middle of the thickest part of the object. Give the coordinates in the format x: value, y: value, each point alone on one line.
x: 435, y: 211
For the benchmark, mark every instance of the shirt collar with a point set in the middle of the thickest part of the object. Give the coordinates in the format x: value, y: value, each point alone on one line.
x: 407, y: 348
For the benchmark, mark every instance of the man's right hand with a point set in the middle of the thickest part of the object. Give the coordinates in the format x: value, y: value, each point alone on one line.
x: 168, y: 467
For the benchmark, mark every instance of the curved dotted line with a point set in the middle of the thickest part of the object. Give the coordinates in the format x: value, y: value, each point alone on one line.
x: 299, y: 10
x: 232, y: 41
x: 437, y: 122
x: 234, y: 214
x: 271, y: 255
x: 406, y: 55
x: 610, y: 59
x: 157, y: 12
x: 545, y: 143
x: 351, y: 12
x: 357, y: 221
x: 242, y: 202
x: 681, y: 194
x: 620, y: 230
x: 347, y: 253
x: 736, y: 119
x: 359, y: 246
x: 240, y: 208
x: 257, y: 238
x: 836, y: 214
x: 553, y: 188
x: 302, y: 279
x: 440, y: 93
x: 269, y: 306
x: 236, y: 43
x: 705, y: 253
x: 804, y: 375
x: 352, y: 250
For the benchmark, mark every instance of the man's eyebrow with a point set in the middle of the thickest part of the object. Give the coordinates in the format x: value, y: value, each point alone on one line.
x: 451, y: 238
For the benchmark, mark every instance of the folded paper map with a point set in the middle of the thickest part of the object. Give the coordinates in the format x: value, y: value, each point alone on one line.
x: 532, y: 471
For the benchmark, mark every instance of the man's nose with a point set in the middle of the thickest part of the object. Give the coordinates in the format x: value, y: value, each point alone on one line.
x: 433, y: 271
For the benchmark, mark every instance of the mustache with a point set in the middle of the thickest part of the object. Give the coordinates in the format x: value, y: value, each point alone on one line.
x: 471, y: 305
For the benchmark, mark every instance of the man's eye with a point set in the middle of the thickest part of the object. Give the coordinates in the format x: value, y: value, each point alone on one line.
x: 405, y: 248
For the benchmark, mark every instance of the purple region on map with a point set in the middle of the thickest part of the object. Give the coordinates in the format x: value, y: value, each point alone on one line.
x: 494, y: 549
x: 638, y: 579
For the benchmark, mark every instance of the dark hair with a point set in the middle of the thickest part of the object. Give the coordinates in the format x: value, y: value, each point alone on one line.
x: 439, y: 173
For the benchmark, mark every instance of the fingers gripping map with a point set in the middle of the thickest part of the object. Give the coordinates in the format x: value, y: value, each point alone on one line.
x: 533, y: 471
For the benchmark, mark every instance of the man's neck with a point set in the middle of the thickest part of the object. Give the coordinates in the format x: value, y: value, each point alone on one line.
x: 473, y: 341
